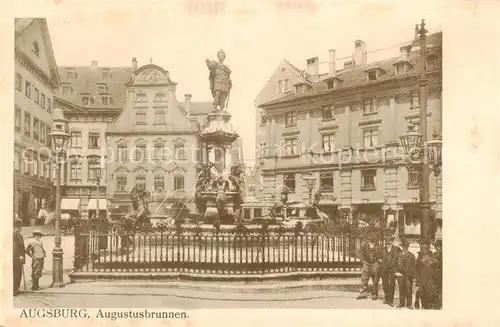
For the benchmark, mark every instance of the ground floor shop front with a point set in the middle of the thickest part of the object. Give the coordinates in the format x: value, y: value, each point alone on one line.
x: 31, y: 195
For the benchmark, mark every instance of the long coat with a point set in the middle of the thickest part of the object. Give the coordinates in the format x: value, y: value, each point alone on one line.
x: 18, y: 250
x: 390, y: 259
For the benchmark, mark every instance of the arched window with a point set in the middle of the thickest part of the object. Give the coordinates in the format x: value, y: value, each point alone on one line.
x: 36, y: 49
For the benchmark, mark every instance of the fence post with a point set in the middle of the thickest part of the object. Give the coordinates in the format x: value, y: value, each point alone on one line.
x: 78, y: 260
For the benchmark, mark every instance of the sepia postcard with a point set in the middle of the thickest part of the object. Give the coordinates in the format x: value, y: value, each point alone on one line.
x: 227, y: 162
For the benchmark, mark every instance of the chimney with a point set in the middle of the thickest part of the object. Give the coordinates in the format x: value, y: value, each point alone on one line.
x: 331, y: 63
x: 312, y: 65
x: 187, y: 103
x: 93, y: 65
x: 134, y: 64
x: 359, y: 53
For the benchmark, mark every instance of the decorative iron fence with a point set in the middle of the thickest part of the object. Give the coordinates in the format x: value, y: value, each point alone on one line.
x: 215, y: 251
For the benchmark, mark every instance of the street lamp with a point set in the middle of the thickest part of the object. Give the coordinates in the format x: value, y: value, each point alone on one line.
x: 97, y: 175
x: 59, y: 146
x: 416, y: 147
x: 310, y: 181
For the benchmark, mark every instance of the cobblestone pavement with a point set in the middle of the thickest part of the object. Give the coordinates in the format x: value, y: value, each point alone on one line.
x: 304, y: 300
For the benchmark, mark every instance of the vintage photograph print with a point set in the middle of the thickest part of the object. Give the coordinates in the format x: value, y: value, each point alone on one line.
x: 211, y: 166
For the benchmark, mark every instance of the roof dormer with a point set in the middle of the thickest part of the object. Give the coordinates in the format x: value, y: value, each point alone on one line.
x: 333, y: 83
x: 302, y: 87
x: 102, y: 88
x: 403, y: 63
x: 374, y: 73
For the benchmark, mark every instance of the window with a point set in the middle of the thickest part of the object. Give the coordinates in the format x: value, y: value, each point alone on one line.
x: 19, y: 82
x: 414, y: 102
x: 158, y: 152
x: 42, y: 103
x: 27, y: 89
x: 159, y: 183
x: 75, y: 171
x: 160, y: 97
x: 179, y: 152
x: 94, y: 138
x: 326, y: 182
x: 140, y: 118
x: 289, y: 181
x: 140, y: 153
x: 287, y: 85
x: 35, y: 49
x: 27, y: 124
x: 92, y: 163
x: 49, y: 138
x: 328, y: 112
x: 370, y: 138
x: 35, y: 165
x: 70, y: 74
x: 140, y: 97
x: 290, y: 118
x: 76, y: 139
x: 179, y: 183
x: 17, y: 161
x: 413, y: 178
x: 106, y: 101
x: 105, y: 73
x: 36, y: 128
x: 160, y: 117
x: 47, y: 168
x: 17, y: 119
x: 372, y: 75
x: 263, y: 117
x: 290, y: 147
x: 369, y: 106
x: 85, y: 100
x: 432, y: 62
x: 140, y: 182
x: 66, y: 89
x: 44, y: 168
x: 42, y: 132
x: 121, y: 183
x: 328, y: 142
x: 27, y: 163
x: 122, y: 155
x: 368, y: 179
x: 280, y: 86
x: 37, y: 96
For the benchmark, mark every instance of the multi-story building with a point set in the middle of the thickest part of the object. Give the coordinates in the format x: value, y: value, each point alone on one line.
x: 344, y: 127
x: 36, y: 80
x: 154, y: 143
x: 92, y: 97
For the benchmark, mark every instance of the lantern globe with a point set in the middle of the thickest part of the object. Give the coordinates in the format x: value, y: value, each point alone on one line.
x: 435, y: 147
x: 310, y: 181
x: 410, y: 142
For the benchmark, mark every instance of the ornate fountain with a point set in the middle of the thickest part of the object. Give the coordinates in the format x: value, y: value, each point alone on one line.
x: 219, y: 186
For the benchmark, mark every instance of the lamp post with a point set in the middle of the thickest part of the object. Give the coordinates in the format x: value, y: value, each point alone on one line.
x: 416, y: 147
x: 310, y: 181
x: 59, y: 145
x: 97, y: 175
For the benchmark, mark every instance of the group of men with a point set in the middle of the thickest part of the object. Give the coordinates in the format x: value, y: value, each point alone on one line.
x: 419, y: 279
x: 35, y: 250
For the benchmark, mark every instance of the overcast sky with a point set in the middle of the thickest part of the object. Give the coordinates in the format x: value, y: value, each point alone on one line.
x: 255, y: 38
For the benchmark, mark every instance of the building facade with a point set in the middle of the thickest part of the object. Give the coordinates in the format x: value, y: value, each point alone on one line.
x: 36, y: 81
x: 154, y: 143
x: 343, y: 126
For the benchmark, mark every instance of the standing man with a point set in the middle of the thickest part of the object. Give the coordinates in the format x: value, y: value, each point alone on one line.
x: 388, y: 270
x: 371, y: 256
x: 220, y: 81
x: 19, y: 256
x: 438, y: 255
x: 427, y: 278
x: 405, y: 274
x: 37, y: 253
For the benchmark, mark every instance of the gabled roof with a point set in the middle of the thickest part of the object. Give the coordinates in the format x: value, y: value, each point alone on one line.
x: 86, y: 81
x: 354, y: 77
x: 21, y: 24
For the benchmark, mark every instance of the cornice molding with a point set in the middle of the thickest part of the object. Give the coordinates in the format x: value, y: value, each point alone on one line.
x: 26, y: 62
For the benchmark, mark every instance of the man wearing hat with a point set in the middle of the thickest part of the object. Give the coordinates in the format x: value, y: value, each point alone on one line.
x: 405, y: 274
x: 388, y: 269
x: 19, y: 256
x: 438, y: 255
x: 427, y: 281
x: 371, y: 256
x: 37, y: 253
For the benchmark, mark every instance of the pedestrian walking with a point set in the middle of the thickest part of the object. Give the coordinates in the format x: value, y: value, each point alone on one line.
x: 405, y: 275
x: 427, y: 278
x: 37, y: 253
x: 388, y: 268
x: 372, y: 257
x: 19, y: 256
x: 438, y: 255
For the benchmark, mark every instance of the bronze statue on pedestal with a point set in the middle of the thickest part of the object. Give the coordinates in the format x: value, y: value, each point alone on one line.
x: 220, y: 81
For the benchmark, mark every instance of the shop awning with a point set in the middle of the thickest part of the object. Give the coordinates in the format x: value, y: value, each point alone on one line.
x: 70, y: 204
x: 93, y: 204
